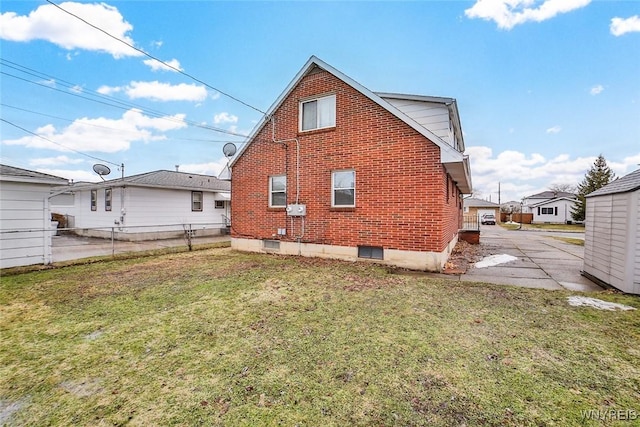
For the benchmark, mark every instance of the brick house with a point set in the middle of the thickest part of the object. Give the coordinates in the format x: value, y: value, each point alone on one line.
x: 335, y: 170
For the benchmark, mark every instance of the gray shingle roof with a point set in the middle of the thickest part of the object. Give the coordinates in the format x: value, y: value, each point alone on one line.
x: 625, y: 184
x: 13, y: 171
x: 165, y: 179
x: 551, y: 194
x: 479, y: 203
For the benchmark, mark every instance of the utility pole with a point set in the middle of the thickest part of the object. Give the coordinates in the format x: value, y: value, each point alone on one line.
x: 499, y: 192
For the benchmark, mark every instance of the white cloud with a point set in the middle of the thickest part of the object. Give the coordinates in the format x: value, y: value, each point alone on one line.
x: 109, y: 90
x: 156, y: 65
x: 54, y: 161
x: 210, y: 168
x: 159, y: 91
x: 509, y: 13
x: 101, y: 134
x: 49, y: 23
x: 78, y: 175
x: 224, y: 118
x: 554, y: 129
x: 520, y: 174
x: 620, y: 26
x: 596, y: 90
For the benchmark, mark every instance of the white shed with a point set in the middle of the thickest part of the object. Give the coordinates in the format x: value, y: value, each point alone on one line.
x: 612, y: 238
x: 25, y: 221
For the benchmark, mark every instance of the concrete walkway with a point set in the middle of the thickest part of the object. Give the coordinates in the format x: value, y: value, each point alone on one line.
x: 67, y: 248
x: 542, y: 261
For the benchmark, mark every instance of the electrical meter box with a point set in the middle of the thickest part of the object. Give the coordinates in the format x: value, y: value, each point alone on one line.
x: 296, y: 210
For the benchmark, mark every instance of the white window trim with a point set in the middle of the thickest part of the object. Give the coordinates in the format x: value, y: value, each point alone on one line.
x: 193, y: 201
x: 333, y: 189
x: 304, y: 101
x: 271, y: 191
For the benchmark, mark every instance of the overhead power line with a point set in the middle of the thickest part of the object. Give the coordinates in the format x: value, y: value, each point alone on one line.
x: 157, y: 59
x: 39, y: 113
x: 98, y: 97
x: 56, y: 143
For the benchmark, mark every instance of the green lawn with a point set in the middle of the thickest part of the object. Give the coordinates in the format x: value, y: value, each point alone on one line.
x: 217, y: 337
x: 553, y: 227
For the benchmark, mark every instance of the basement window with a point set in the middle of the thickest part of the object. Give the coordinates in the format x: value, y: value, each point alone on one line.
x: 271, y: 244
x: 370, y: 252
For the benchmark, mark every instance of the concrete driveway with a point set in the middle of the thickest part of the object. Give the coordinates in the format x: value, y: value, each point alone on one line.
x: 542, y: 261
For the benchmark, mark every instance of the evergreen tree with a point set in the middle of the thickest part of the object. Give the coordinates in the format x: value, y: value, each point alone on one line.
x: 597, y: 177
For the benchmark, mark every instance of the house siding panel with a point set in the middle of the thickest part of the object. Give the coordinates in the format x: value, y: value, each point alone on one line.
x: 433, y: 116
x: 401, y: 186
x: 23, y: 217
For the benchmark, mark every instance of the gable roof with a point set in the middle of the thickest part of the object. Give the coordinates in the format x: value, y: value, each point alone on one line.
x: 479, y: 203
x: 546, y: 202
x: 12, y: 173
x: 551, y: 195
x: 625, y: 184
x: 165, y: 179
x: 448, y: 154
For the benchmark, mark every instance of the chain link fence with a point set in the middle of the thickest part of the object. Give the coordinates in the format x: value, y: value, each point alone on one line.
x: 23, y: 247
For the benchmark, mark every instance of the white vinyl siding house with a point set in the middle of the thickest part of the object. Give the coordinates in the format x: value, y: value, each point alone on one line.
x: 26, y: 230
x: 154, y: 205
x: 612, y: 238
x: 549, y: 207
x: 554, y: 211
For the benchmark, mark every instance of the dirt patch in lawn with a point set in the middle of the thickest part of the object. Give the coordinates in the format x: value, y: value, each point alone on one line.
x: 462, y: 257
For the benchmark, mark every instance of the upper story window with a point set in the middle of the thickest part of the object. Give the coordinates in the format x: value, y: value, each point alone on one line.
x: 318, y: 113
x: 277, y: 191
x: 219, y: 204
x: 196, y: 201
x: 107, y: 199
x: 94, y: 200
x: 343, y: 184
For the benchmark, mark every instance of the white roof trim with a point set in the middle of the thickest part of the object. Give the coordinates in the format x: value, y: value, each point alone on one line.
x: 557, y: 199
x: 448, y: 154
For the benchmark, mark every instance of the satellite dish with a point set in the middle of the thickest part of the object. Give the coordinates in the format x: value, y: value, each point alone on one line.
x: 101, y: 170
x: 229, y: 149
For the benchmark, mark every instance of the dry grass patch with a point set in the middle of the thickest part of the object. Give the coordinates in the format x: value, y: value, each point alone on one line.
x: 218, y: 337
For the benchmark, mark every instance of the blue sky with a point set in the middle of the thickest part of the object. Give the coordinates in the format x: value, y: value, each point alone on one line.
x: 543, y: 87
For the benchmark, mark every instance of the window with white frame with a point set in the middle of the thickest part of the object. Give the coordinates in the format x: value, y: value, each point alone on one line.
x: 94, y: 200
x: 219, y: 204
x: 277, y: 191
x: 343, y: 184
x: 107, y: 199
x: 318, y: 113
x: 196, y: 201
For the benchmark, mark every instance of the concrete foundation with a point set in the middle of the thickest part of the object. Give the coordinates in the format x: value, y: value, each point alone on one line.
x: 413, y: 260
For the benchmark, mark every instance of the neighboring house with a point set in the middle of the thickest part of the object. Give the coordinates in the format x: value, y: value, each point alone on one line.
x: 479, y: 207
x: 612, y: 234
x: 25, y: 219
x: 152, y: 205
x: 335, y: 170
x: 553, y: 207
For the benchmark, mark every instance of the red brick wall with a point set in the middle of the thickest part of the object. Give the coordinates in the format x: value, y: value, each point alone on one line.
x: 401, y: 187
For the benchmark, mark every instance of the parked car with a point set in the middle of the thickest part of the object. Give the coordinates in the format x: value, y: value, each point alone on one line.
x: 488, y: 219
